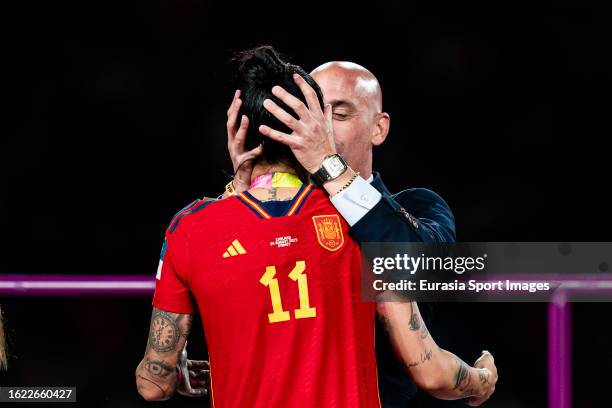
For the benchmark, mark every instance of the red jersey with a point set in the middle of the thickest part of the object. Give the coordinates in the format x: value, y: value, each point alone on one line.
x: 279, y: 298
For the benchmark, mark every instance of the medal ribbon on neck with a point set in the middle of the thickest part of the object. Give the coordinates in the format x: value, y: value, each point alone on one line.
x: 276, y: 179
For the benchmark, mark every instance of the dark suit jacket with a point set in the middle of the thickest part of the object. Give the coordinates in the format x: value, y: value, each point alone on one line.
x: 413, y: 215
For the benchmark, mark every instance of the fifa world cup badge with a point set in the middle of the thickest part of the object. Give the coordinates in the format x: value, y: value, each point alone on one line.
x: 329, y: 231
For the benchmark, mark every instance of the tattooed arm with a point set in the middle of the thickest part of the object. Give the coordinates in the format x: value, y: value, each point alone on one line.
x: 156, y: 375
x: 434, y: 370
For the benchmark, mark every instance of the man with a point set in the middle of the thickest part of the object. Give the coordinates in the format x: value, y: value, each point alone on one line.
x: 375, y: 215
x: 359, y: 124
x: 320, y: 355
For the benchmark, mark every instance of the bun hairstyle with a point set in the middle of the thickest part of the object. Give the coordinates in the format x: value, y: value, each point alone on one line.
x: 260, y: 69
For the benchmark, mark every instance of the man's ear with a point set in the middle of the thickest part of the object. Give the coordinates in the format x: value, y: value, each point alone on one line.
x: 381, y: 128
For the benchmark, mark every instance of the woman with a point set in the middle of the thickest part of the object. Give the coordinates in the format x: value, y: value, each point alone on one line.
x: 271, y: 275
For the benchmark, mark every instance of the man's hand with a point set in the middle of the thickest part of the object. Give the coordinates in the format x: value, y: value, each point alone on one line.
x: 242, y: 160
x: 312, y: 138
x: 487, y: 376
x: 193, y: 376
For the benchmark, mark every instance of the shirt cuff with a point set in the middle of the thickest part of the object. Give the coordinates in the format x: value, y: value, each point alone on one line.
x: 356, y: 200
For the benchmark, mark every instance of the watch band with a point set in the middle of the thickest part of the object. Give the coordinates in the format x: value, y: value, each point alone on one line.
x: 319, y: 177
x: 322, y: 175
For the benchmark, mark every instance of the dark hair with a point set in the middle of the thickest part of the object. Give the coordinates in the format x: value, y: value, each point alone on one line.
x: 260, y: 69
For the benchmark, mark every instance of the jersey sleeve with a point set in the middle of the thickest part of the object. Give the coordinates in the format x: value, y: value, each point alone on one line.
x: 172, y: 292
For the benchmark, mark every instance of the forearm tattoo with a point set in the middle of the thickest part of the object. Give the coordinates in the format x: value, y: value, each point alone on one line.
x: 415, y: 322
x: 165, y: 330
x: 164, y: 336
x: 425, y: 357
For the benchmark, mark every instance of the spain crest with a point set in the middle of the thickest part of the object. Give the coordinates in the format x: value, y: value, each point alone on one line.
x: 329, y: 231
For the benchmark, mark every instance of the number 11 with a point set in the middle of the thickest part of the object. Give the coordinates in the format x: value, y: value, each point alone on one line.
x: 296, y: 274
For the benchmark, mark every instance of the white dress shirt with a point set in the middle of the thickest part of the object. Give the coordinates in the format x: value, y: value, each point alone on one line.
x: 356, y: 200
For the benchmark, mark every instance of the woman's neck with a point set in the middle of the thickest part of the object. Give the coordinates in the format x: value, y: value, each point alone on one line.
x: 273, y: 193
x: 265, y: 167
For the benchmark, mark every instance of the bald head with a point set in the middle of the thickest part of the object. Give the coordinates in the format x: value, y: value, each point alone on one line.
x: 349, y: 76
x: 358, y: 120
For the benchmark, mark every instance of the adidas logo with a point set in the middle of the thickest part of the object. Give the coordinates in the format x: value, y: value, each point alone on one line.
x: 234, y: 249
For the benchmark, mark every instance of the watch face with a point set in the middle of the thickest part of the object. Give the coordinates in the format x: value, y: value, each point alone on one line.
x: 334, y: 166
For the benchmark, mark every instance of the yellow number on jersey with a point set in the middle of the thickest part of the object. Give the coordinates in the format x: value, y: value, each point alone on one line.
x: 268, y: 279
x: 296, y: 274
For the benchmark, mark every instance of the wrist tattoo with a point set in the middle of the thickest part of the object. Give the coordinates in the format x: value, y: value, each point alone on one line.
x: 139, y: 386
x: 463, y: 379
x: 483, y: 376
x: 158, y: 368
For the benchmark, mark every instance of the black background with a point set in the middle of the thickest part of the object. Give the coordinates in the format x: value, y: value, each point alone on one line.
x: 116, y: 120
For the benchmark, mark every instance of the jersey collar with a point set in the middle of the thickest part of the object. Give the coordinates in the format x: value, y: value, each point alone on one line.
x: 296, y: 202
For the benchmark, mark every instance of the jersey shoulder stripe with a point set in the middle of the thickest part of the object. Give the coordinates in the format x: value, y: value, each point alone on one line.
x: 192, y: 208
x: 300, y: 200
